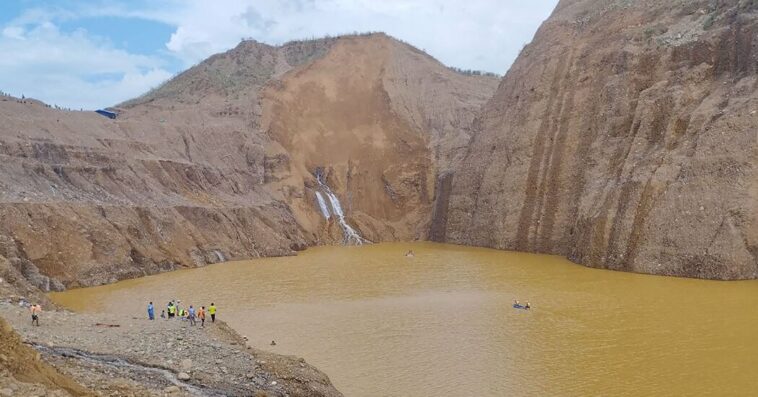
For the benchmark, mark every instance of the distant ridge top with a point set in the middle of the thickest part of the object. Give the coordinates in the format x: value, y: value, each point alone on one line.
x: 252, y: 63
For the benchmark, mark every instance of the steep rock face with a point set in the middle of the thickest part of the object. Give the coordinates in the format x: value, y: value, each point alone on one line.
x: 86, y: 200
x: 218, y: 163
x: 623, y: 137
x: 381, y: 118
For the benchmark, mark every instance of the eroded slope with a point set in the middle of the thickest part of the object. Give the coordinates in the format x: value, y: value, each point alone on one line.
x: 382, y: 120
x: 219, y: 162
x: 623, y: 137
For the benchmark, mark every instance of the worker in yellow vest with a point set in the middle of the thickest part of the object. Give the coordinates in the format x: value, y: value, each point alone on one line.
x: 212, y: 312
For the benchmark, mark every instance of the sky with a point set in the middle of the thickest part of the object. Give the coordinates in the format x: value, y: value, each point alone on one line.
x: 91, y: 53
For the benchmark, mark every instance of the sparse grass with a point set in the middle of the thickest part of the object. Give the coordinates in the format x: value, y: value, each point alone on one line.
x: 470, y: 72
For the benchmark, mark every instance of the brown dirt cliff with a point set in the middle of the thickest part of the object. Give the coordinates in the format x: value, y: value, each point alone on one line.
x: 624, y: 137
x: 218, y: 163
x: 382, y: 120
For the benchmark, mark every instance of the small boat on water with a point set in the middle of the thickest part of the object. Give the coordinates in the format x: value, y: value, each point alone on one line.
x: 519, y: 306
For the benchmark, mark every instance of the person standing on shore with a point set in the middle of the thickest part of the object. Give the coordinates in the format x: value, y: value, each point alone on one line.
x: 191, y: 315
x: 150, y: 311
x: 201, y: 316
x: 36, y: 310
x: 171, y: 309
x: 212, y: 312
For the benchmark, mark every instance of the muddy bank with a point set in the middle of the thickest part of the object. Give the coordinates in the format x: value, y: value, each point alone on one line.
x: 118, y: 355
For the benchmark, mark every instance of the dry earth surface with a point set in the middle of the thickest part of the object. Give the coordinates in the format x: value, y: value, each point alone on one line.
x: 114, y: 355
x: 624, y: 137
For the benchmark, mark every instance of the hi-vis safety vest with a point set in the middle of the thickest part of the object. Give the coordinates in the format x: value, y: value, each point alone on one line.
x: 212, y: 310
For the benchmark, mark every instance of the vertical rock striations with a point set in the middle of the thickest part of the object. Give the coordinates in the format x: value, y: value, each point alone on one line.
x: 624, y: 137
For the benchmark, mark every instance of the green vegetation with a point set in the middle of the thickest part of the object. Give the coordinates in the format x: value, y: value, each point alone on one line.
x: 470, y: 72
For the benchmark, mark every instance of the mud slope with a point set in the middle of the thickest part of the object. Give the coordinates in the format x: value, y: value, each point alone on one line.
x: 218, y: 163
x: 23, y: 373
x: 382, y: 120
x: 624, y: 137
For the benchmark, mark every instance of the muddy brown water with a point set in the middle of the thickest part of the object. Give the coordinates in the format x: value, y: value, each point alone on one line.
x: 441, y: 323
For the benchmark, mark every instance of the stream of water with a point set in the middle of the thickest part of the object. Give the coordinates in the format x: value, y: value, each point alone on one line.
x: 441, y: 322
x: 350, y: 235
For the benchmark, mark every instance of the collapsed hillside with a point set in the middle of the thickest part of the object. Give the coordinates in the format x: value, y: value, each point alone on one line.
x: 624, y: 137
x: 219, y: 163
x: 631, y: 145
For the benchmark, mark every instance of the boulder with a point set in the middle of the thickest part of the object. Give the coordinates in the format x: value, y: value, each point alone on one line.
x: 185, y: 364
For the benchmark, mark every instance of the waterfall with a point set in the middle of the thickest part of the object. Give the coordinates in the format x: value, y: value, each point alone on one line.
x: 351, y: 236
x: 219, y: 256
x: 322, y: 205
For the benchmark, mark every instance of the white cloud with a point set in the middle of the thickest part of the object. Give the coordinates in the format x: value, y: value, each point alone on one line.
x: 74, y: 69
x: 79, y: 69
x: 475, y: 34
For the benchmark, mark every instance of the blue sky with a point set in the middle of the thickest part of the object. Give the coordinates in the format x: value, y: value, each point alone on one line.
x: 90, y: 54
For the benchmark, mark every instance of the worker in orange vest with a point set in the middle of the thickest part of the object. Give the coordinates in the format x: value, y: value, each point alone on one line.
x: 201, y: 316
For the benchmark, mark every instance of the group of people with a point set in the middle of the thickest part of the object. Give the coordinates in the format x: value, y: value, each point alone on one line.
x: 191, y: 314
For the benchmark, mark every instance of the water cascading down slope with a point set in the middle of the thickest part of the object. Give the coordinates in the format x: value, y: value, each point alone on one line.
x: 350, y: 235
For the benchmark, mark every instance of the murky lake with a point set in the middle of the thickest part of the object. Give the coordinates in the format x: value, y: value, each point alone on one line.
x: 441, y: 322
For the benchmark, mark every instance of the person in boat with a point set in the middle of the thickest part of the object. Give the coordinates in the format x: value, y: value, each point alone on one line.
x: 409, y: 254
x: 527, y: 306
